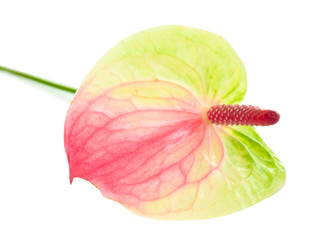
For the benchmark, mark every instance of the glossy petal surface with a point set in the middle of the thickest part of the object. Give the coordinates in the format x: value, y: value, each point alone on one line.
x: 137, y: 128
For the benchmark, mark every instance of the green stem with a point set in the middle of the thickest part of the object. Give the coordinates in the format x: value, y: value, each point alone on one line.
x: 39, y: 80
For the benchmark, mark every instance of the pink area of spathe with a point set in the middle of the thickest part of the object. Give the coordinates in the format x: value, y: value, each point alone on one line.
x: 133, y: 153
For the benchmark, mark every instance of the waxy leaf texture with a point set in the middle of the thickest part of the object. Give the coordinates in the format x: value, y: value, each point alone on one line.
x: 137, y: 128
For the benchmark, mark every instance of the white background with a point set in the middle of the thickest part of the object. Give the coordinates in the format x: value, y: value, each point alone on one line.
x: 61, y: 41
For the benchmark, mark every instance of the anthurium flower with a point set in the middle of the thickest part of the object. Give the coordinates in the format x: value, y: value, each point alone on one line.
x: 138, y: 128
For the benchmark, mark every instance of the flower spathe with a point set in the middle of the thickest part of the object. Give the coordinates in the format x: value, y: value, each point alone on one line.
x: 137, y: 128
